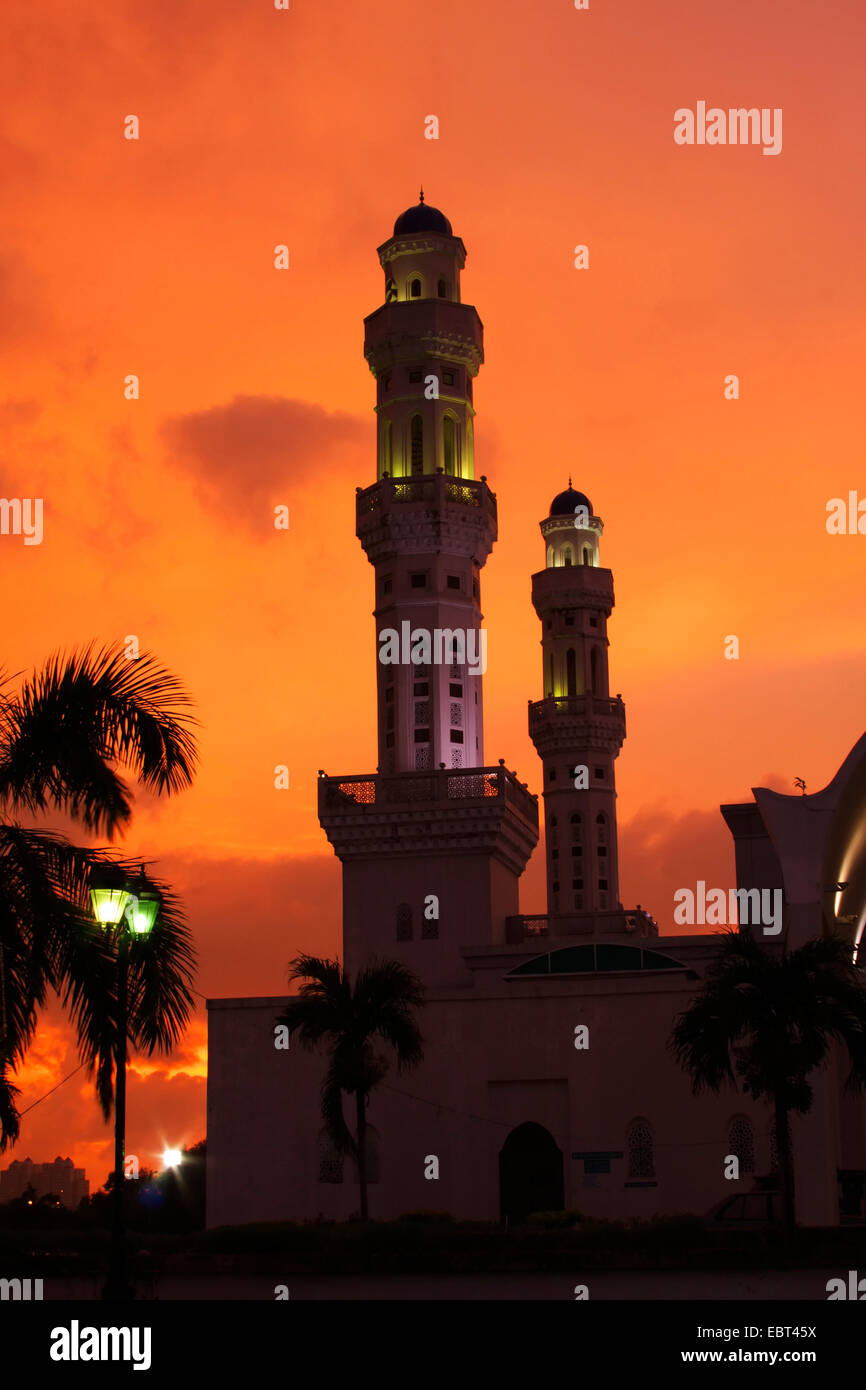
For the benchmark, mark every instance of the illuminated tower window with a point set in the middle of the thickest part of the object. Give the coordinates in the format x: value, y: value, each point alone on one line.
x: 587, y: 555
x: 417, y: 444
x: 448, y: 443
x: 566, y: 555
x: 415, y: 289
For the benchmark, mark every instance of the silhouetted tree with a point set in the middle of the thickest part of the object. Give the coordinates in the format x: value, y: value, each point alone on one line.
x: 62, y: 737
x: 766, y: 1022
x: 347, y: 1018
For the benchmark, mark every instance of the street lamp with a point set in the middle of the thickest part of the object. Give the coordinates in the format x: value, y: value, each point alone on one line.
x: 128, y: 908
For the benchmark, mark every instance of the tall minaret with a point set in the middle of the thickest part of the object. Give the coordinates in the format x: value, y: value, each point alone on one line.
x: 577, y: 729
x: 433, y: 844
x: 426, y: 525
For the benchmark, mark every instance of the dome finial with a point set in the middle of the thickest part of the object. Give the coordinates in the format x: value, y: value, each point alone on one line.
x: 569, y: 480
x: 422, y: 195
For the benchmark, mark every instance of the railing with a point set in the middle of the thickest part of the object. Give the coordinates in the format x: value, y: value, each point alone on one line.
x: 576, y: 704
x: 441, y: 489
x: 405, y: 788
x: 520, y: 928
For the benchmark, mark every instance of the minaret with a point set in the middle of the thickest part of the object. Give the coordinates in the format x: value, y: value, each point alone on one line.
x: 433, y: 844
x: 577, y: 729
x: 426, y: 525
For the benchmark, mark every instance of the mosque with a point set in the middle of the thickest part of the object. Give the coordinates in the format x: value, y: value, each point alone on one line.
x: 546, y: 1082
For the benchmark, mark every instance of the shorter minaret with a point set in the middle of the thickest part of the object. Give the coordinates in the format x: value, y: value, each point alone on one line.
x: 577, y: 729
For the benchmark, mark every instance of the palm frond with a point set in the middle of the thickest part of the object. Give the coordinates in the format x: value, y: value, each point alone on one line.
x: 61, y: 735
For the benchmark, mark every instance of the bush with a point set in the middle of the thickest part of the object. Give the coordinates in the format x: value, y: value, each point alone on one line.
x: 426, y: 1216
x: 555, y: 1220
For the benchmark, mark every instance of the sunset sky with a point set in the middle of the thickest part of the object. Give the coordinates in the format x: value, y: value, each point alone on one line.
x: 156, y: 257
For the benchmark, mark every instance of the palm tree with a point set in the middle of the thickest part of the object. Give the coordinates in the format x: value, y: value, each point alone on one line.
x: 770, y: 1020
x: 62, y: 737
x: 330, y: 1009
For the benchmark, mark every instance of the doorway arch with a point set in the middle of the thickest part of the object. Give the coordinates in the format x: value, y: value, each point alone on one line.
x: 530, y: 1173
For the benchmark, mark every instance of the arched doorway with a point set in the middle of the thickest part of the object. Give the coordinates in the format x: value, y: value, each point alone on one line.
x: 530, y: 1173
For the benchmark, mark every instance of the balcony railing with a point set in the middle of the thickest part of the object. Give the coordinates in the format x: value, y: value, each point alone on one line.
x: 438, y: 489
x: 585, y: 705
x: 411, y: 788
x: 521, y: 928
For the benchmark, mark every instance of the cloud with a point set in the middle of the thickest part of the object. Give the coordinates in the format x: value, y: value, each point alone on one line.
x: 257, y: 451
x: 660, y: 853
x: 22, y: 309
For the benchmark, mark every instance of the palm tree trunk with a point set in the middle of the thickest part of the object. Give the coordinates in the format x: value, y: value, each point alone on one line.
x: 786, y: 1168
x: 361, y: 1105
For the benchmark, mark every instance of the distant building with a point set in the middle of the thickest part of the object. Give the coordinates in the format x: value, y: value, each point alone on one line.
x: 60, y: 1178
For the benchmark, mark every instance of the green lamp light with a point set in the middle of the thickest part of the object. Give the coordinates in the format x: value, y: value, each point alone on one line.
x: 143, y: 912
x: 109, y: 897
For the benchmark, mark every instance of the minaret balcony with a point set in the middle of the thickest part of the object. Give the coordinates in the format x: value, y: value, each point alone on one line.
x: 561, y: 721
x: 468, y: 785
x: 450, y: 811
x: 439, y: 490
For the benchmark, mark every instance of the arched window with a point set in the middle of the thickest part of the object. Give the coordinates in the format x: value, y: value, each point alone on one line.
x: 601, y: 828
x: 550, y: 675
x: 570, y: 672
x: 404, y: 922
x: 448, y: 444
x: 552, y: 822
x: 593, y: 671
x: 566, y: 555
x: 741, y: 1142
x: 587, y: 555
x: 330, y: 1160
x: 417, y: 430
x: 550, y: 557
x: 639, y: 1144
x: 443, y: 289
x: 415, y: 289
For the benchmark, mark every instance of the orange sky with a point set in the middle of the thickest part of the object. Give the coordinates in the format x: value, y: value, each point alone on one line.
x: 306, y: 127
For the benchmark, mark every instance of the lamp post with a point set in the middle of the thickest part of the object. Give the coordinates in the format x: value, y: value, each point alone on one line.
x: 128, y: 909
